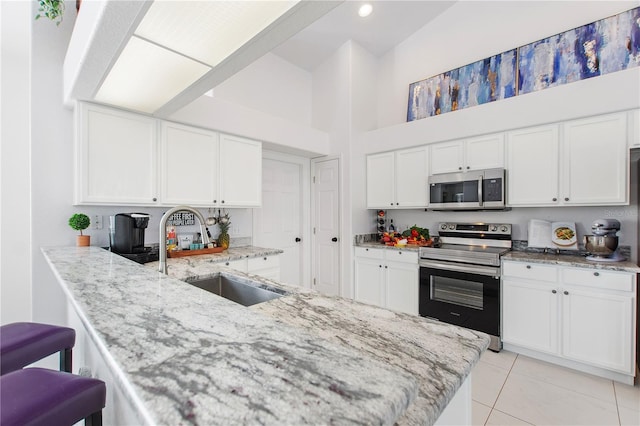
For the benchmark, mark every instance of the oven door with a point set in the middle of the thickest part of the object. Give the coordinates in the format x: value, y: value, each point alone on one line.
x: 468, y: 296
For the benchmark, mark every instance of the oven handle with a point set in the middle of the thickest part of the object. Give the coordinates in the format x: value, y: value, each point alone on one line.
x: 459, y: 267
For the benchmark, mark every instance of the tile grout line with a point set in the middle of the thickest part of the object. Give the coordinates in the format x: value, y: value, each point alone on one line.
x: 500, y: 392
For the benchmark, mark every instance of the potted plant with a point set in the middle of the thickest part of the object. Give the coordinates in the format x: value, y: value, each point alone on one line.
x: 52, y: 9
x: 80, y: 221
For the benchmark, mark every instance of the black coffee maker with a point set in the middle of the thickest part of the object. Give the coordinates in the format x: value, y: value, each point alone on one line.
x: 128, y: 233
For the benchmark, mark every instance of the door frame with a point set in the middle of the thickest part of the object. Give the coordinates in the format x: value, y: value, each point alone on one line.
x: 305, y: 223
x: 314, y: 162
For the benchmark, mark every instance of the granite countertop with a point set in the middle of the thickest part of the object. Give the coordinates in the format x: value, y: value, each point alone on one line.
x: 570, y: 260
x: 193, y: 357
x: 377, y: 245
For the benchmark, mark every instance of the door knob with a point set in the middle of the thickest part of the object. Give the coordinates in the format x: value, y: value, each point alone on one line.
x: 298, y: 240
x: 334, y: 239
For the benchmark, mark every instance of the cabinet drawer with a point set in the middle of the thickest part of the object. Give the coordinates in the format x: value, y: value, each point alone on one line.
x: 402, y: 256
x: 369, y: 253
x: 265, y: 262
x: 238, y: 265
x: 530, y: 271
x: 606, y: 280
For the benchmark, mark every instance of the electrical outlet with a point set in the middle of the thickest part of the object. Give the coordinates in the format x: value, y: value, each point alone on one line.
x: 97, y: 221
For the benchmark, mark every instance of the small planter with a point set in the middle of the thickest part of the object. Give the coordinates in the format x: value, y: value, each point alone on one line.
x: 83, y: 240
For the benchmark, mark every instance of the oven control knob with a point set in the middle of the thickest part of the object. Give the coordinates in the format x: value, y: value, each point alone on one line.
x: 443, y: 226
x: 452, y: 227
x: 494, y: 228
x: 504, y: 229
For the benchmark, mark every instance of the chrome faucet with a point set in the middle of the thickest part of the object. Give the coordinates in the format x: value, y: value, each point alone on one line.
x: 163, y: 232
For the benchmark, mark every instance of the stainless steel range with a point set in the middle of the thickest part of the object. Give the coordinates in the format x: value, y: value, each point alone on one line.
x: 460, y: 278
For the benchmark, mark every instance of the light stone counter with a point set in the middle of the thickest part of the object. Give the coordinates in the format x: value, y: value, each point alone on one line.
x: 570, y: 260
x: 189, y: 356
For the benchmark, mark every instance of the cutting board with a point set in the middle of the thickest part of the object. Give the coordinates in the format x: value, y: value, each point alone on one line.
x: 183, y: 253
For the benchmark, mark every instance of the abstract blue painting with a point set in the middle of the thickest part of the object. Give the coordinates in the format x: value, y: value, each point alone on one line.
x: 483, y: 81
x: 608, y: 45
x: 605, y: 46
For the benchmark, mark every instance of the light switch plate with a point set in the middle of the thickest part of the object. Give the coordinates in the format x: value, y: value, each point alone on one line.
x: 96, y: 221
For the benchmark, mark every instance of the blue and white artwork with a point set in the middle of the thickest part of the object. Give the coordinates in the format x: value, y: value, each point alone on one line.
x: 609, y: 45
x: 483, y: 81
x: 605, y: 46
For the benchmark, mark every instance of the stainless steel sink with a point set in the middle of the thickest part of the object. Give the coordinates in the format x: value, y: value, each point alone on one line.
x: 236, y: 291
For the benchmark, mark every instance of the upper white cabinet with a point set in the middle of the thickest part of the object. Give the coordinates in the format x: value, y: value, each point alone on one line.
x: 397, y: 179
x: 122, y: 160
x: 595, y: 161
x: 116, y: 157
x: 580, y: 162
x: 189, y: 158
x: 240, y: 172
x: 482, y: 152
x: 532, y: 166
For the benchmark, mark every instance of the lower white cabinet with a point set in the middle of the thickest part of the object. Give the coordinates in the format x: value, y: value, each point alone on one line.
x: 577, y: 314
x: 387, y: 278
x: 265, y: 266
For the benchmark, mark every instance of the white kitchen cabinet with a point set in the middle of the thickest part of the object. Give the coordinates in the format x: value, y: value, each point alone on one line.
x: 595, y: 163
x: 530, y: 307
x: 477, y: 153
x: 238, y: 264
x: 579, y: 163
x: 634, y: 128
x: 397, y: 179
x: 265, y: 266
x: 532, y: 166
x: 387, y: 278
x: 116, y: 157
x: 579, y: 315
x: 189, y: 165
x: 240, y: 172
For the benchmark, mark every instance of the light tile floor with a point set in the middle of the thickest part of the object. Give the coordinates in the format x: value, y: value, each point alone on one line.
x: 511, y: 389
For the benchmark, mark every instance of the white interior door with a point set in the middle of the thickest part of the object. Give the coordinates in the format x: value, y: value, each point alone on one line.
x: 326, y: 224
x: 279, y: 222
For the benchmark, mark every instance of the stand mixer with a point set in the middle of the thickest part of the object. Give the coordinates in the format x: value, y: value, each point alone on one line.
x: 603, y: 244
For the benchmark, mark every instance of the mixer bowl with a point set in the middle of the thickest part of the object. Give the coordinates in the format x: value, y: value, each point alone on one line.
x: 601, y: 245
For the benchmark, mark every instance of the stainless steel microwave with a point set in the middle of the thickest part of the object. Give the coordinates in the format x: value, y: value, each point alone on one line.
x: 474, y: 190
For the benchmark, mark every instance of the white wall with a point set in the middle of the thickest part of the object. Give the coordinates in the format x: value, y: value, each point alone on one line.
x: 428, y: 52
x: 271, y: 84
x: 15, y: 191
x: 471, y: 31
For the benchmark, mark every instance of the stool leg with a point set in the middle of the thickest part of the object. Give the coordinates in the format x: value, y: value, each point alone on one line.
x: 65, y: 360
x: 95, y: 419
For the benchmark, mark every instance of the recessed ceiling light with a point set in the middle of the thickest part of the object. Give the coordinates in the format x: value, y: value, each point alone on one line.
x: 365, y: 10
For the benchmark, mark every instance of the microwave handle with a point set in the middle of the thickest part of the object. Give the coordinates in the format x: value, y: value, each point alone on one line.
x: 480, y: 199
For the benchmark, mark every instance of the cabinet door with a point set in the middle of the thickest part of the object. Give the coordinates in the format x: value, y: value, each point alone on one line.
x: 530, y: 315
x: 380, y: 180
x: 597, y: 328
x: 401, y: 287
x: 189, y: 165
x: 266, y: 267
x: 532, y: 166
x: 369, y: 280
x: 595, y: 162
x: 411, y: 177
x: 116, y: 157
x: 484, y: 152
x: 240, y: 172
x: 446, y: 157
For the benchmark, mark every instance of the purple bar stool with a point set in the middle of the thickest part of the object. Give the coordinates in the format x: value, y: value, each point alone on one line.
x: 38, y: 396
x: 23, y: 343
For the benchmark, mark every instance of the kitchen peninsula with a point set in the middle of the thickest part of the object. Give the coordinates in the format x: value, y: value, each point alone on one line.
x: 173, y: 354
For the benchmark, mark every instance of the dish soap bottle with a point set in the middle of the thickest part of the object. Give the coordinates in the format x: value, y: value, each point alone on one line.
x: 392, y: 227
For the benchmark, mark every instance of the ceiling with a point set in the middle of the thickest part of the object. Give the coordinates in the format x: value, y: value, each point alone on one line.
x: 390, y: 23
